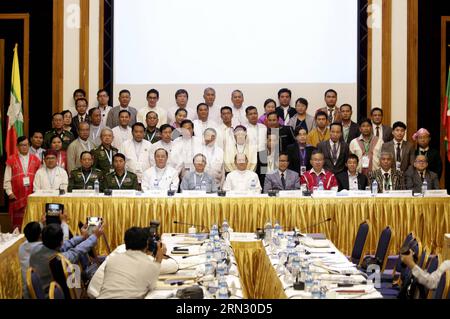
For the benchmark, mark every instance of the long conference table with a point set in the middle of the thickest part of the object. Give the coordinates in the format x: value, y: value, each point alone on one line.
x: 428, y: 217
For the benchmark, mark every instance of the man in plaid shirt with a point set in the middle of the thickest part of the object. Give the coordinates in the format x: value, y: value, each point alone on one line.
x: 311, y: 178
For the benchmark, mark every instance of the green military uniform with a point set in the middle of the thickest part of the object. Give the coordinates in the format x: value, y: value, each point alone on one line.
x: 113, y: 181
x: 154, y: 136
x: 103, y: 158
x: 80, y: 180
x: 66, y: 136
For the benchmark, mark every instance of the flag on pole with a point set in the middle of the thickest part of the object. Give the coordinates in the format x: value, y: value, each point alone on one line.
x: 15, y: 116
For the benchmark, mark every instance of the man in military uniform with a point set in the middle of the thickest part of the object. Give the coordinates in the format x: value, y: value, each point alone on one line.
x: 103, y: 155
x: 85, y: 176
x: 58, y: 129
x: 152, y: 133
x: 120, y: 178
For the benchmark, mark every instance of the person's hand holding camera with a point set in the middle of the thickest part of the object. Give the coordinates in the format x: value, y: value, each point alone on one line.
x: 84, y: 231
x: 162, y: 250
x: 98, y: 231
x: 408, y: 260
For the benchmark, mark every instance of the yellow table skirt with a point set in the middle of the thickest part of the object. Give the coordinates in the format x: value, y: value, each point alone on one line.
x: 259, y: 279
x: 428, y: 218
x: 10, y: 272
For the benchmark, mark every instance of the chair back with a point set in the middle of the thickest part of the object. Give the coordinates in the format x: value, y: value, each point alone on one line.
x: 360, y: 242
x: 34, y: 285
x: 384, y: 243
x: 408, y: 240
x: 438, y: 293
x: 433, y: 263
x: 61, y: 270
x: 55, y: 291
x: 423, y: 257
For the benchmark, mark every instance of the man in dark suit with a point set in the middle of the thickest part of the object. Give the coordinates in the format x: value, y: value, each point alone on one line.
x: 267, y: 160
x: 423, y: 138
x: 334, y: 150
x: 415, y: 176
x: 380, y: 130
x: 285, y: 133
x: 333, y: 112
x: 351, y: 179
x: 81, y: 105
x: 300, y: 153
x: 350, y: 130
x: 402, y: 151
x: 283, y: 178
x: 285, y: 111
x: 387, y: 177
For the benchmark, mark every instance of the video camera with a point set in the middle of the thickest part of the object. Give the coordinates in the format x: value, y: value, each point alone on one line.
x: 53, y: 213
x: 153, y: 237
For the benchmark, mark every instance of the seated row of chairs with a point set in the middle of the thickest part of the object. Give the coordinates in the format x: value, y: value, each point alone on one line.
x: 63, y: 273
x: 392, y: 279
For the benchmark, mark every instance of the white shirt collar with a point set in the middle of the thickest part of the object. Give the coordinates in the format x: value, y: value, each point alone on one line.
x: 312, y: 171
x: 384, y: 172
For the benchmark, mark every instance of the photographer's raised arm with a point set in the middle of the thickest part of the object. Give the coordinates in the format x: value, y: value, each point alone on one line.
x: 431, y: 281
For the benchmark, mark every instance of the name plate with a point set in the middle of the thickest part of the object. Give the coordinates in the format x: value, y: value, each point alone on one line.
x: 290, y: 194
x: 436, y: 193
x: 155, y: 193
x: 47, y: 192
x: 241, y: 193
x: 360, y: 193
x: 194, y: 193
x: 123, y: 192
x: 83, y: 191
x: 323, y: 194
x: 401, y: 193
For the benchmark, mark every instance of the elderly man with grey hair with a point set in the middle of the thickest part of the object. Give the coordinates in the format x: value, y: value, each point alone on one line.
x: 104, y: 153
x: 387, y: 177
x: 199, y: 179
x: 209, y: 95
x: 213, y: 154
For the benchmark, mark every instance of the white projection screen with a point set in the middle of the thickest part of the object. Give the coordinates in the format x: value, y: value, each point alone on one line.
x: 255, y: 46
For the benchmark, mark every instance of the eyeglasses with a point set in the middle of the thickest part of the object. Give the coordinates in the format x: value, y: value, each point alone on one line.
x: 421, y: 162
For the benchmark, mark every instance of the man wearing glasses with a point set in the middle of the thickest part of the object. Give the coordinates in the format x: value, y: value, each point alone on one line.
x: 318, y: 177
x: 415, y: 176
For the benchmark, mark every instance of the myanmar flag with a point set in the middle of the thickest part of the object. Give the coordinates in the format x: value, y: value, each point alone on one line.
x: 15, y: 117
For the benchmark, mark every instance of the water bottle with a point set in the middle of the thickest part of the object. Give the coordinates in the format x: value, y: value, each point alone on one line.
x: 214, y: 231
x: 203, y: 187
x: 320, y: 188
x: 223, y: 288
x: 277, y: 228
x: 308, y: 280
x: 97, y: 186
x: 253, y: 185
x: 221, y: 269
x: 268, y: 231
x: 225, y: 230
x: 156, y: 184
x: 374, y: 187
x: 315, y: 290
x: 424, y: 187
x: 209, y: 268
x: 209, y: 250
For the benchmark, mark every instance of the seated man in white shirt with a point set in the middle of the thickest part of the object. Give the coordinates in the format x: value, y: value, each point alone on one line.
x: 50, y: 176
x: 133, y: 274
x: 242, y: 179
x: 161, y: 176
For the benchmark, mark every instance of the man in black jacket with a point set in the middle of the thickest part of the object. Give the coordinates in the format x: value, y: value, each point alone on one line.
x: 335, y: 151
x: 299, y: 152
x: 423, y: 138
x: 351, y: 179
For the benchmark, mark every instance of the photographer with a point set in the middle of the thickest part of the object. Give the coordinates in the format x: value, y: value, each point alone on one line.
x: 52, y: 243
x: 131, y: 273
x: 431, y: 281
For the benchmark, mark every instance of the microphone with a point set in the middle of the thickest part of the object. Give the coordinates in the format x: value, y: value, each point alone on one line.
x: 310, y: 226
x: 204, y: 263
x: 189, y: 224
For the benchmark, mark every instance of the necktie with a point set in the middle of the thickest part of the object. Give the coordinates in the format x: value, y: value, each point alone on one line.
x: 386, y: 181
x: 378, y: 131
x: 330, y: 116
x: 423, y: 153
x: 283, y: 181
x: 422, y: 176
x: 399, y: 153
x: 81, y: 119
x: 334, y: 153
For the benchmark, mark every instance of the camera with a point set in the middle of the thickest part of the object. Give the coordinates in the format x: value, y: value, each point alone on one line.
x: 53, y: 213
x: 153, y: 236
x: 93, y: 222
x: 406, y: 250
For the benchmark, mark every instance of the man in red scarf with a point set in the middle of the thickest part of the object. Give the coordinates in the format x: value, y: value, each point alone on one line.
x: 18, y: 182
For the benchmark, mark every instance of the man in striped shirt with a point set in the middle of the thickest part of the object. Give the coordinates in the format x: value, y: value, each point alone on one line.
x: 313, y: 177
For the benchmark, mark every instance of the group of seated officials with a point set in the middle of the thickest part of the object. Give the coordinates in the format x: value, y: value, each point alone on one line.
x: 229, y: 148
